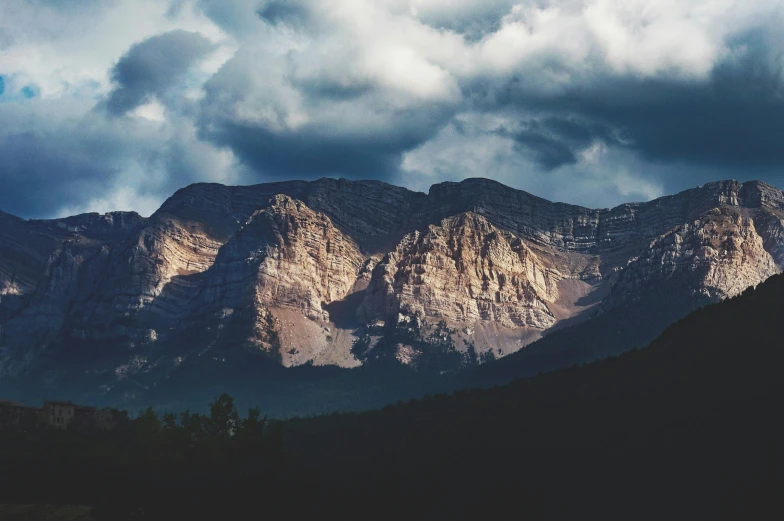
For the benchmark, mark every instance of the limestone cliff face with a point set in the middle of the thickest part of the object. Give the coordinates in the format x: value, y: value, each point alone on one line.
x: 286, y: 261
x: 297, y: 271
x: 716, y: 256
x: 24, y: 250
x: 304, y: 260
x: 463, y: 271
x: 95, y: 281
x: 26, y: 247
x: 76, y: 251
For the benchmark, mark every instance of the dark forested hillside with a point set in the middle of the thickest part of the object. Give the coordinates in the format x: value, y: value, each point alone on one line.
x: 703, y: 398
x: 688, y: 427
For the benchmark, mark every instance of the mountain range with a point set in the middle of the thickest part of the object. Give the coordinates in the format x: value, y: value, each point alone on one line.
x: 355, y: 273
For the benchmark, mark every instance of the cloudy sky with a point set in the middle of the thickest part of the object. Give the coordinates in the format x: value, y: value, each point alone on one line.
x: 114, y: 104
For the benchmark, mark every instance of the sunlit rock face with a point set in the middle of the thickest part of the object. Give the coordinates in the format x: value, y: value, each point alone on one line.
x: 464, y: 270
x: 718, y: 256
x: 298, y: 272
x: 286, y: 261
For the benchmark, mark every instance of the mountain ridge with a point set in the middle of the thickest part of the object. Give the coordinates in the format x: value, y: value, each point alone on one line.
x: 285, y: 186
x: 303, y: 272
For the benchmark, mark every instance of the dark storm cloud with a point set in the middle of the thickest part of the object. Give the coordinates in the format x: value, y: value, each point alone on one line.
x: 330, y: 90
x: 43, y: 172
x: 350, y: 131
x: 242, y: 16
x: 283, y: 12
x: 556, y: 141
x: 474, y: 19
x: 56, y: 165
x: 152, y: 67
x: 233, y: 16
x: 735, y: 120
x: 310, y: 155
x: 318, y: 149
x: 731, y: 124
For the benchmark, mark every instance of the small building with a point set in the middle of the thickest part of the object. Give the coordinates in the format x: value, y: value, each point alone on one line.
x: 15, y: 413
x: 62, y: 414
x: 10, y: 413
x: 56, y: 414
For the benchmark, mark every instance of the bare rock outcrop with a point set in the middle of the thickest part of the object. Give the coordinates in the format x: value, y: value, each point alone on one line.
x: 716, y: 256
x: 286, y: 256
x: 278, y: 272
x: 463, y: 271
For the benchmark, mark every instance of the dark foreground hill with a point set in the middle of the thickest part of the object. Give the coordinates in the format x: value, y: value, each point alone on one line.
x: 686, y: 428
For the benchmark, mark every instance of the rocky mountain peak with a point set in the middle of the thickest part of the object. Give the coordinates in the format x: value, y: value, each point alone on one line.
x: 466, y: 272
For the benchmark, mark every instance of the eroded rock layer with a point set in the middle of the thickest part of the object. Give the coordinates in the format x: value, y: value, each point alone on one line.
x: 286, y: 261
x: 463, y: 271
x: 716, y: 256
